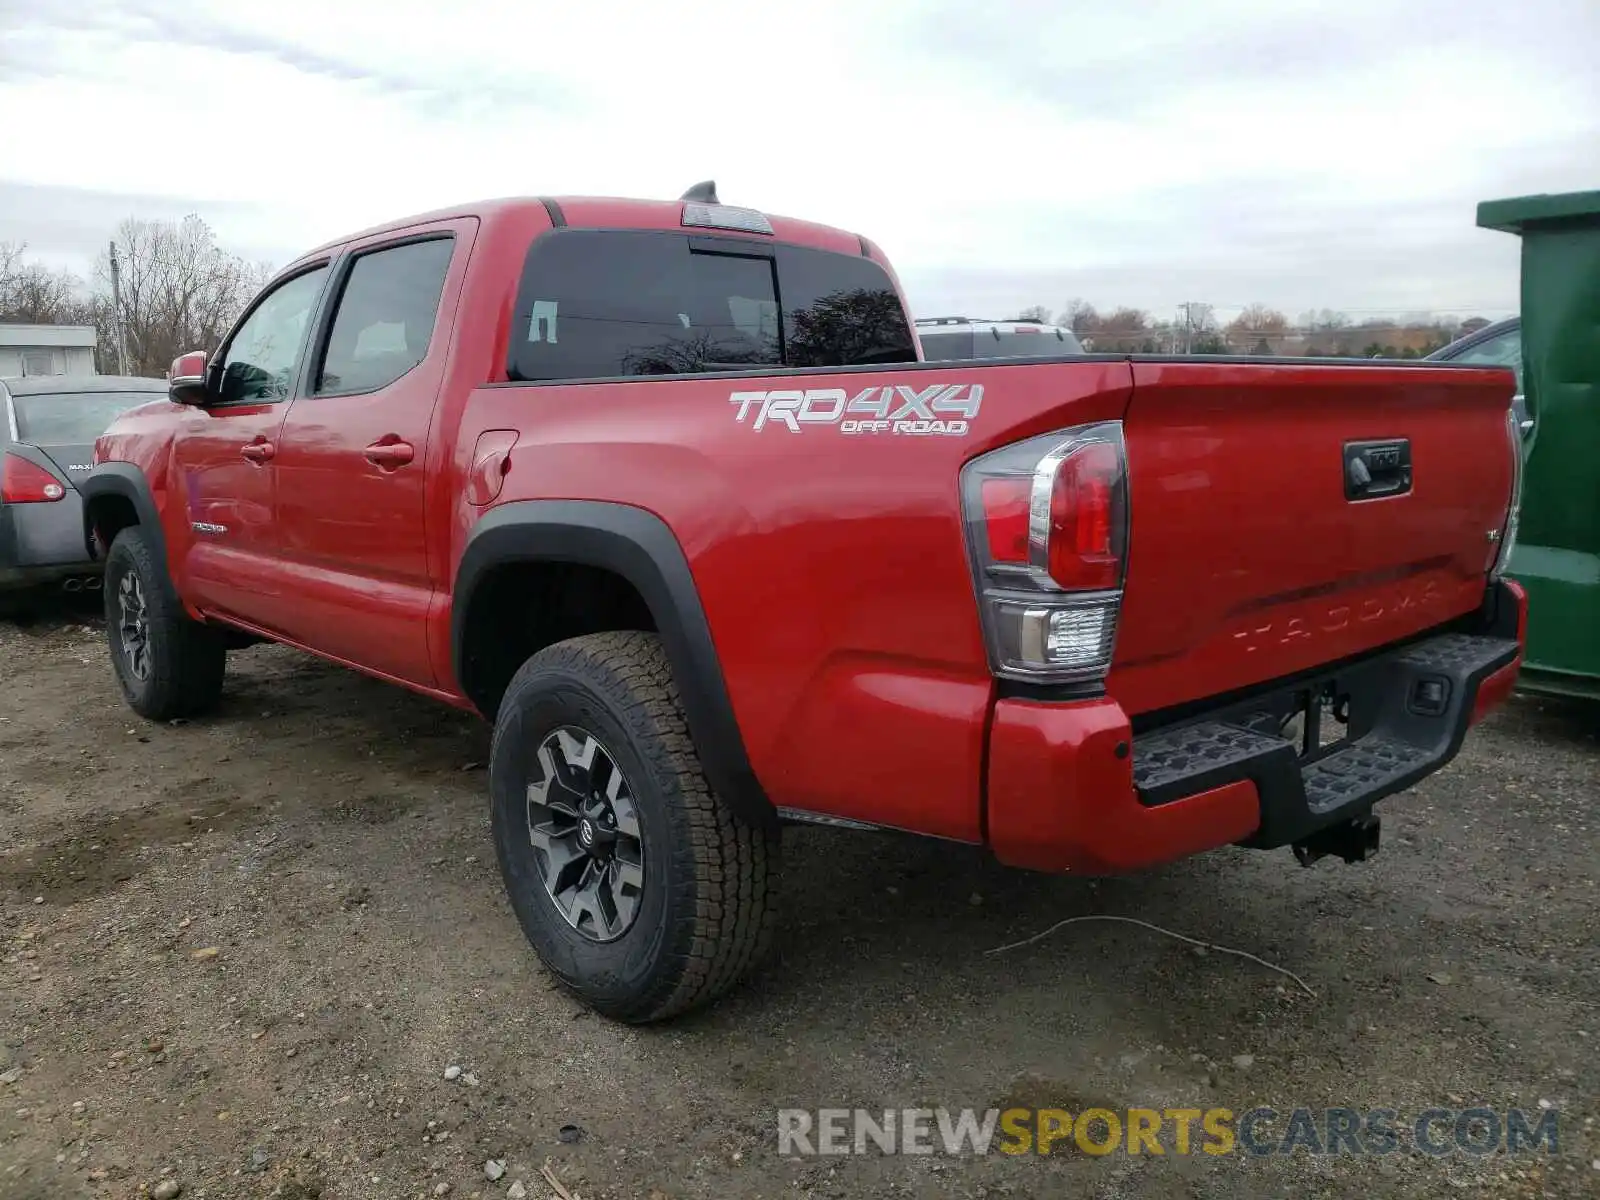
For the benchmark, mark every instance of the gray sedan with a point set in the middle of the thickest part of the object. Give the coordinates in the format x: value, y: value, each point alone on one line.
x: 48, y: 427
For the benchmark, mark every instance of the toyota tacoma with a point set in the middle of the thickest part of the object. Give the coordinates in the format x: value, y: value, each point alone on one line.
x: 666, y: 492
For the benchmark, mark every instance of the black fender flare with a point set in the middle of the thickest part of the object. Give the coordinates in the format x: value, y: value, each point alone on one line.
x: 125, y: 480
x: 640, y: 547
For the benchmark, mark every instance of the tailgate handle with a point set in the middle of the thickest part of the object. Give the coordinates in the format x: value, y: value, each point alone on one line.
x: 1375, y: 469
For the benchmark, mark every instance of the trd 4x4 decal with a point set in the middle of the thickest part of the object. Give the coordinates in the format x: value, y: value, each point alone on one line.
x: 943, y: 410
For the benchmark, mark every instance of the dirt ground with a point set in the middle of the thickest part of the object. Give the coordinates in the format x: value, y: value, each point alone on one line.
x: 241, y: 953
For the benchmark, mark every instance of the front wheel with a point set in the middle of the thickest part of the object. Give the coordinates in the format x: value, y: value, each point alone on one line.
x: 639, y: 888
x: 167, y: 664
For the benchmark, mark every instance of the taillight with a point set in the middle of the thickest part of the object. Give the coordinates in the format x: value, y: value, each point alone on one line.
x: 24, y: 482
x: 1084, y: 544
x: 1047, y: 524
x: 1005, y: 518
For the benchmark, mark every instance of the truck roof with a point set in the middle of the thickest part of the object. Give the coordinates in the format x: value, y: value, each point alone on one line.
x: 609, y: 212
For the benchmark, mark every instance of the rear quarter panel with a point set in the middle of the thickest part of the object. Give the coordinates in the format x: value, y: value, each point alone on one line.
x: 832, y: 568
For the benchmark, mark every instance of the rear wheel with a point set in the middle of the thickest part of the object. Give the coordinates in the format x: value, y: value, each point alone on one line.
x: 640, y: 889
x: 166, y: 664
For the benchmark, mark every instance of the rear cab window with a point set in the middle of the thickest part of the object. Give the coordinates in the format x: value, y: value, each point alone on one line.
x: 604, y: 304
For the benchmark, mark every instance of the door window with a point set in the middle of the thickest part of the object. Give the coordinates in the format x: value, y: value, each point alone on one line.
x: 385, y: 317
x: 260, y: 365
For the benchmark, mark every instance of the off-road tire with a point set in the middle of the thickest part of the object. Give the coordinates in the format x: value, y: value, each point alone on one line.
x: 186, y: 660
x: 706, y: 909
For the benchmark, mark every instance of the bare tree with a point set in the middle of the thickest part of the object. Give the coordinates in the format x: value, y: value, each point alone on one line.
x: 1123, y: 330
x: 1200, y: 318
x: 33, y: 294
x: 1126, y: 320
x: 1324, y: 320
x: 180, y: 290
x: 1079, y: 316
x: 1256, y: 328
x: 1261, y: 320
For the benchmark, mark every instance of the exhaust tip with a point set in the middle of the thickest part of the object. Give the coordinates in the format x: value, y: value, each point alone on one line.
x: 72, y: 585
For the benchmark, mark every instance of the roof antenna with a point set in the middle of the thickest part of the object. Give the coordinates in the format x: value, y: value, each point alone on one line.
x: 704, y: 192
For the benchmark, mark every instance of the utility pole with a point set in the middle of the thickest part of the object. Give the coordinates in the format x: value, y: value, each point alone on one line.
x: 116, y: 312
x: 1188, y: 330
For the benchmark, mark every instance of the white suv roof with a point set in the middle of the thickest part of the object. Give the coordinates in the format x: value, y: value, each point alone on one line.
x: 974, y: 337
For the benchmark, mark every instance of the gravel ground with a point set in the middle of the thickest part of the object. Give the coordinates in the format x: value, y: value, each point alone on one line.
x: 240, y: 955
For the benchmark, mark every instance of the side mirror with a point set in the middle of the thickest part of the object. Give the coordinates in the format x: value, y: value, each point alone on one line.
x: 186, y: 381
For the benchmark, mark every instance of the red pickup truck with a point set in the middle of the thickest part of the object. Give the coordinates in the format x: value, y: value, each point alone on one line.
x: 665, y: 492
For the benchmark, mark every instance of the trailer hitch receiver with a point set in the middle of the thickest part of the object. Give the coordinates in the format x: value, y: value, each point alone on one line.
x: 1354, y: 841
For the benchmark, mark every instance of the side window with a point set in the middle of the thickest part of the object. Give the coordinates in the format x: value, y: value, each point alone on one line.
x: 1502, y: 351
x: 385, y: 317
x: 260, y: 364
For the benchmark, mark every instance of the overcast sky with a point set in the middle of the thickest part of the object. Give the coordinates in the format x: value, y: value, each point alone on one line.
x: 1296, y: 152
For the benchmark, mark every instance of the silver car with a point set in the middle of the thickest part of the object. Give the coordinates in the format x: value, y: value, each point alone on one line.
x: 48, y: 427
x: 1497, y: 345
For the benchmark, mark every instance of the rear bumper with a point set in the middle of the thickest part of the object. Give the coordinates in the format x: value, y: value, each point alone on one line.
x: 1071, y: 787
x: 41, y: 543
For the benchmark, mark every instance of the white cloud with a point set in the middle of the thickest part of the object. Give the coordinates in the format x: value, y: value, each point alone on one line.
x: 1302, y: 153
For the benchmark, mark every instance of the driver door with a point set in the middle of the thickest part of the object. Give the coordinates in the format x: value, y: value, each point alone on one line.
x: 223, y: 459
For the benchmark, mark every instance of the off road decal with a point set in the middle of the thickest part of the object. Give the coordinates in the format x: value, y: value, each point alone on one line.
x: 943, y: 410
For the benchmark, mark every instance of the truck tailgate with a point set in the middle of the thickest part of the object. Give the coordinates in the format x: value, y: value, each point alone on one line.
x: 1259, y: 549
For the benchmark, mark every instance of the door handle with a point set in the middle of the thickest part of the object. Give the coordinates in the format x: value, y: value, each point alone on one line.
x: 258, y: 452
x: 390, y: 454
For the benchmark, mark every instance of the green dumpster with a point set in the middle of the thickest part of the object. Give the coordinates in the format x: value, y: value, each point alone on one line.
x: 1557, y: 555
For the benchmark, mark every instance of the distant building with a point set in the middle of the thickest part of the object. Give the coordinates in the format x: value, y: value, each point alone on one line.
x: 47, y: 350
